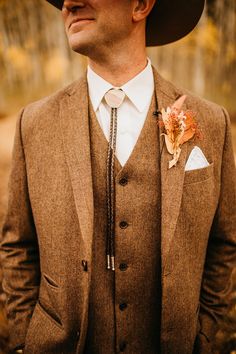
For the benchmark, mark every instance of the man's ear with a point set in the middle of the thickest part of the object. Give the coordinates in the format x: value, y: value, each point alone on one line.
x: 142, y: 9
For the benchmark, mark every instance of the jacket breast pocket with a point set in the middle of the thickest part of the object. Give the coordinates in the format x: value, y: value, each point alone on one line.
x: 199, y: 199
x: 199, y: 175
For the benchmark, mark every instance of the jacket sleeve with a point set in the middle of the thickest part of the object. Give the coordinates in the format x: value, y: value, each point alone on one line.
x: 19, y: 249
x: 221, y: 253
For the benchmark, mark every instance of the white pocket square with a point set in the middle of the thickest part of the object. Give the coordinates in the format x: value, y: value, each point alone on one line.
x: 196, y: 160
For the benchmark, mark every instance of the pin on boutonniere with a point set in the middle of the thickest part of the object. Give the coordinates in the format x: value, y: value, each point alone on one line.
x: 179, y: 127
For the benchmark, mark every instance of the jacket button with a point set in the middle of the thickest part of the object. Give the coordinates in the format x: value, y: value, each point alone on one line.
x: 123, y: 181
x: 123, y: 346
x: 123, y: 266
x: 123, y: 224
x: 123, y: 306
x: 85, y: 265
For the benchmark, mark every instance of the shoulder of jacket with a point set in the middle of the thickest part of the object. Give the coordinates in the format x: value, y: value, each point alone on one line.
x: 212, y: 118
x: 209, y: 112
x: 201, y: 106
x: 51, y: 102
x: 43, y: 111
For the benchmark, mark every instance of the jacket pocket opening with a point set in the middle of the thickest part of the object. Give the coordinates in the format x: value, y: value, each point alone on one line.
x: 50, y: 282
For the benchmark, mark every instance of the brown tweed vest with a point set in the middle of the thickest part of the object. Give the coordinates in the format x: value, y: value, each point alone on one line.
x: 124, y: 308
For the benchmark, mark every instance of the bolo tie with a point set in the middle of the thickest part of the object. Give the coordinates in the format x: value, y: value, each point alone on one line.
x: 114, y: 99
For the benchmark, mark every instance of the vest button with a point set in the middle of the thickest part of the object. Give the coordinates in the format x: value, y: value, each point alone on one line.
x: 123, y: 181
x: 123, y: 346
x: 123, y: 306
x: 123, y: 266
x: 123, y: 224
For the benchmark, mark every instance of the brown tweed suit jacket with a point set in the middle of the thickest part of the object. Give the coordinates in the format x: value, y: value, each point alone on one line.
x: 47, y: 235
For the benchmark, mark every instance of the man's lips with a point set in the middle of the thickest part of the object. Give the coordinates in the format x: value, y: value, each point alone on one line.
x: 78, y: 20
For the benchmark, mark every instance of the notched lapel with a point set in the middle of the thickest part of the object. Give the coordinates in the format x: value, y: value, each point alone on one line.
x: 172, y: 179
x: 76, y: 141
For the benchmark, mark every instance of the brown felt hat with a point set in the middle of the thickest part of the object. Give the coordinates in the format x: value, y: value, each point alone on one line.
x: 168, y: 21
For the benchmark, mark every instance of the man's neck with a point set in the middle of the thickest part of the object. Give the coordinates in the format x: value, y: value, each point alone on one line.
x: 119, y: 69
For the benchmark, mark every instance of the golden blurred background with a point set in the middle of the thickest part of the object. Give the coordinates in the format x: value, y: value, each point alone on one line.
x: 35, y: 60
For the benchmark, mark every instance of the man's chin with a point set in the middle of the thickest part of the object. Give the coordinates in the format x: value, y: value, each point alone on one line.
x: 81, y: 46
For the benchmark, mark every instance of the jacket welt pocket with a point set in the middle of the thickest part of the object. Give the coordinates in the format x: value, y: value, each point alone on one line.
x: 199, y: 175
x: 49, y: 281
x: 51, y: 315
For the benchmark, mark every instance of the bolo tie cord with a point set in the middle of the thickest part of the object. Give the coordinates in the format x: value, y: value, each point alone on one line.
x: 114, y: 98
x: 110, y: 242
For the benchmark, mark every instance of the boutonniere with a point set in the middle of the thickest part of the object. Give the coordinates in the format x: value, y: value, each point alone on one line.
x: 179, y: 127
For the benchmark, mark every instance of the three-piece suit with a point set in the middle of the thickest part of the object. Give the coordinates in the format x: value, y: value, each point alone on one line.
x: 174, y: 232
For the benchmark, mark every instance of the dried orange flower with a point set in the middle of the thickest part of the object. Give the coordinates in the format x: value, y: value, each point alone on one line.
x: 179, y: 128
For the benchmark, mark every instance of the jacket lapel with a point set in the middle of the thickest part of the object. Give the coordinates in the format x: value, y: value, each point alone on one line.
x: 171, y: 179
x: 76, y: 141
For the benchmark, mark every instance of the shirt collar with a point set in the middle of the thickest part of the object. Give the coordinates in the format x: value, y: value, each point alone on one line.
x: 97, y: 87
x: 134, y: 88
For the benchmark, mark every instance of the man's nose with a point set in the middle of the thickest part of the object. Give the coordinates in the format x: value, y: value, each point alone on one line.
x: 72, y: 5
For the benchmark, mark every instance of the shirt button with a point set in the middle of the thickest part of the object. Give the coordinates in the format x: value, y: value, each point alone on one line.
x: 123, y: 346
x: 123, y: 224
x: 123, y: 266
x: 123, y: 306
x: 123, y: 181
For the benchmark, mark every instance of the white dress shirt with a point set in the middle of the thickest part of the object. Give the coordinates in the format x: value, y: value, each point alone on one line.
x: 131, y: 114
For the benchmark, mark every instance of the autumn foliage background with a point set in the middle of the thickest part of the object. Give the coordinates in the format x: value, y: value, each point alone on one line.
x: 35, y: 60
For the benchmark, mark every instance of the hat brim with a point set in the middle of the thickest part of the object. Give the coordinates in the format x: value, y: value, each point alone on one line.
x: 168, y: 21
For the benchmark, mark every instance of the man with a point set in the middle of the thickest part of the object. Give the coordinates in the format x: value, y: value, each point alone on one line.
x: 120, y: 238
